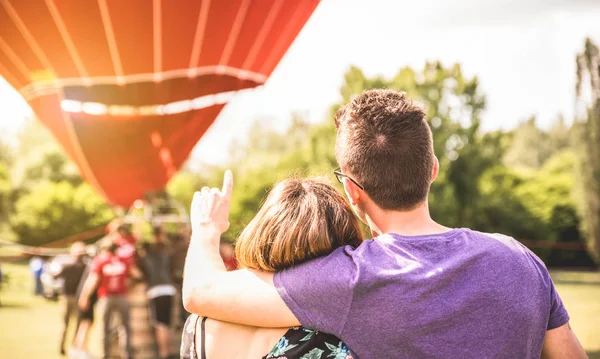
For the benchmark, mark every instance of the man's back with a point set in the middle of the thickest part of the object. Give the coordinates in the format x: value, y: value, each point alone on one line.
x: 459, y: 294
x: 113, y: 272
x: 157, y: 267
x: 73, y: 274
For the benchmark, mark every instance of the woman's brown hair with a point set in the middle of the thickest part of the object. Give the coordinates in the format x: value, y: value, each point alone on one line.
x: 301, y: 219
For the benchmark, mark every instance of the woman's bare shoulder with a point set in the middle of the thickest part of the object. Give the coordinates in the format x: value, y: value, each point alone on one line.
x: 230, y: 340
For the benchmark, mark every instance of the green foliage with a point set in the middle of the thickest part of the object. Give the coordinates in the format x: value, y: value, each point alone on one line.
x: 183, y: 185
x: 517, y: 182
x: 48, y: 199
x: 5, y: 185
x: 53, y: 210
x: 587, y: 143
x: 479, y: 186
x: 532, y: 147
x: 502, y: 210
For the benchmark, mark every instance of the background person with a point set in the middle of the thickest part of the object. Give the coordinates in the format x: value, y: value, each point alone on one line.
x: 109, y: 273
x: 79, y: 350
x: 36, y: 266
x: 156, y: 266
x: 227, y: 252
x: 126, y: 241
x: 179, y: 247
x: 72, y: 275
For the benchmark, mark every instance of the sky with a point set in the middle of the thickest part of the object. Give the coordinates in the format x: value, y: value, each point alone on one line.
x: 522, y: 51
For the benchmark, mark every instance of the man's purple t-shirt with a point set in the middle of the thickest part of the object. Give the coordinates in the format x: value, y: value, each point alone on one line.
x: 460, y: 294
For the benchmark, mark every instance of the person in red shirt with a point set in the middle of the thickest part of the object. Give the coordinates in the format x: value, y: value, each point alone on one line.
x: 109, y: 273
x: 228, y: 254
x: 126, y: 242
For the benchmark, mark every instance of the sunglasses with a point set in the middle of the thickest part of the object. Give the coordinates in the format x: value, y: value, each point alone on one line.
x: 340, y: 177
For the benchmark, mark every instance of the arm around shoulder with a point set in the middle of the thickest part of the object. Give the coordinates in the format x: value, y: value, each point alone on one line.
x: 243, y: 296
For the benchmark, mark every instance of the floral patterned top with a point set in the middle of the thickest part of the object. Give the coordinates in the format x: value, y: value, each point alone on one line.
x: 296, y: 343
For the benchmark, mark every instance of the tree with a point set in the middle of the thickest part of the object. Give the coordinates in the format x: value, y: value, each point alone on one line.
x: 532, y: 146
x: 587, y: 141
x: 50, y: 200
x: 52, y: 211
x: 5, y: 191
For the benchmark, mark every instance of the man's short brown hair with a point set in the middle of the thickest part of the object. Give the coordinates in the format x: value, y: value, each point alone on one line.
x: 384, y: 141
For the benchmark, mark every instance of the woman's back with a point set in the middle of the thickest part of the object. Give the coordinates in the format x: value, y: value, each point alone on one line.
x: 233, y: 341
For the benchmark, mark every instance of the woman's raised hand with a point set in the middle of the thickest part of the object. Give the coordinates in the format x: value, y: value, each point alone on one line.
x: 210, y: 207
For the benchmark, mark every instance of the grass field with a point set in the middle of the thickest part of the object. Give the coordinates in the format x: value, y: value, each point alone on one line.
x: 29, y: 326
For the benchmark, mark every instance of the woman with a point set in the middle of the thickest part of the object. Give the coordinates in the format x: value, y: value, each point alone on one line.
x: 301, y: 219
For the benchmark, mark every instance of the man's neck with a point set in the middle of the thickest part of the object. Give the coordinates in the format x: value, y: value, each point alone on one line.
x: 415, y: 222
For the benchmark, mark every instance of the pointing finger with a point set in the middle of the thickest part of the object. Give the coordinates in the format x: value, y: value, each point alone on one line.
x: 227, y: 185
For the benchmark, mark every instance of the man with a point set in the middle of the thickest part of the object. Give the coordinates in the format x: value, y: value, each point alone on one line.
x: 156, y: 265
x: 418, y: 289
x: 71, y: 273
x: 85, y: 320
x: 109, y: 274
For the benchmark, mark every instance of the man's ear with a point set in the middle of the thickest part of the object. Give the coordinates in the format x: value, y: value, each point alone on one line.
x: 352, y: 191
x: 436, y: 168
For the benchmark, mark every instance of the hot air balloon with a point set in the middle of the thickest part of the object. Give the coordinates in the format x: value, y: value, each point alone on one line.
x: 129, y: 87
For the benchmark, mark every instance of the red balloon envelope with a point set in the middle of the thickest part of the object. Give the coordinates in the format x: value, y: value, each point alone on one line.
x: 128, y: 87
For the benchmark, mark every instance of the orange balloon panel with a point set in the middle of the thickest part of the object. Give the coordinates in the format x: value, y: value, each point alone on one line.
x: 129, y: 87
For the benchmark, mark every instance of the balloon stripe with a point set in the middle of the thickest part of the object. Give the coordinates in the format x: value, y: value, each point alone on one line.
x: 199, y: 37
x: 8, y: 76
x: 45, y: 87
x: 14, y: 59
x: 157, y: 38
x: 35, y: 47
x: 234, y: 32
x: 112, y: 42
x: 262, y: 35
x: 64, y: 33
x: 84, y: 165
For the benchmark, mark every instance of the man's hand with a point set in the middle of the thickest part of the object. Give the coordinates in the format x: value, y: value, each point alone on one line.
x: 210, y: 207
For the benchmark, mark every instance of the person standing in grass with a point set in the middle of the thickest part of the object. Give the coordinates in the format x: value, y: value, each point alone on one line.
x: 36, y: 266
x: 156, y: 266
x: 72, y: 274
x: 109, y: 273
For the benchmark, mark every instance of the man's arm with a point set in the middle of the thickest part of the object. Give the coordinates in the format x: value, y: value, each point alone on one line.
x: 561, y: 343
x: 242, y: 296
x: 91, y: 283
x: 134, y: 272
x: 60, y: 273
